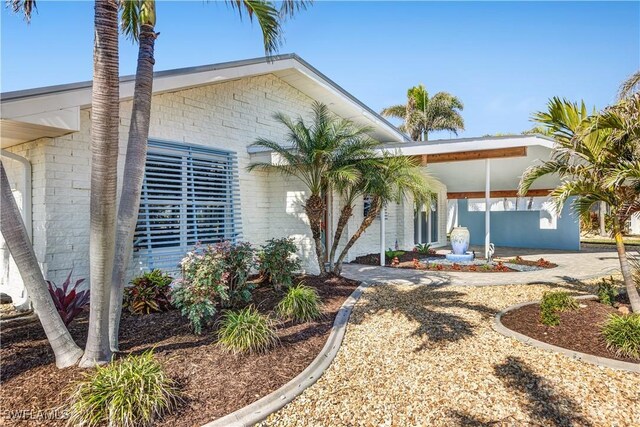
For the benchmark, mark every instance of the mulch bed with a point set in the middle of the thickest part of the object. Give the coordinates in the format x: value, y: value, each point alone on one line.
x: 578, y: 330
x: 214, y: 382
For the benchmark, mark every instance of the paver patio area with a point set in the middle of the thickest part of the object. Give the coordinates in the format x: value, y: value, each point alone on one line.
x: 428, y: 356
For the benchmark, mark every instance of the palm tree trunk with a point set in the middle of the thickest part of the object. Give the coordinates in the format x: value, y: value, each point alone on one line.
x: 345, y: 213
x: 104, y: 179
x: 632, y: 290
x: 314, y: 208
x: 14, y: 232
x: 601, y: 219
x: 376, y: 207
x: 133, y: 176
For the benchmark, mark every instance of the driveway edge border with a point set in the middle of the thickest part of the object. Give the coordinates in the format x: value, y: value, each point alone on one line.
x: 262, y: 408
x: 576, y: 355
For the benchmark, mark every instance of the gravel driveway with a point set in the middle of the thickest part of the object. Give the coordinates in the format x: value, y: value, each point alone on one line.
x: 427, y: 356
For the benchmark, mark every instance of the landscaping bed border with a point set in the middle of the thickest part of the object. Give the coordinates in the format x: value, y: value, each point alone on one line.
x: 262, y: 408
x: 589, y: 358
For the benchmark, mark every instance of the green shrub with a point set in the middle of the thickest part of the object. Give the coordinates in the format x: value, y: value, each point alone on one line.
x: 622, y: 334
x: 202, y: 288
x: 148, y: 293
x: 277, y: 261
x: 238, y: 260
x: 391, y: 254
x: 554, y: 302
x: 246, y: 331
x: 607, y: 291
x: 301, y: 304
x: 423, y: 248
x: 133, y: 391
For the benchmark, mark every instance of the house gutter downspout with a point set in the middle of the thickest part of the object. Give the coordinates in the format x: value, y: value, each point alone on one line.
x: 26, y: 197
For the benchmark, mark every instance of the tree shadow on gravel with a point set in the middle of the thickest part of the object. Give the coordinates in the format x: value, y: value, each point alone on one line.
x: 545, y: 405
x: 467, y: 420
x: 426, y: 306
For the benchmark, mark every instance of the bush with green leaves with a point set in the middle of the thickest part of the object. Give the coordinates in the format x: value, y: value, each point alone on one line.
x: 238, y: 259
x: 607, y: 291
x: 202, y: 288
x: 423, y: 248
x: 391, y: 254
x: 554, y: 302
x: 246, y: 331
x: 277, y: 261
x: 301, y: 304
x: 622, y: 334
x: 149, y: 293
x: 134, y: 391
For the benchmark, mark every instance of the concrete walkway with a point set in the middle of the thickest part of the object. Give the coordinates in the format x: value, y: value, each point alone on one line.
x: 572, y: 266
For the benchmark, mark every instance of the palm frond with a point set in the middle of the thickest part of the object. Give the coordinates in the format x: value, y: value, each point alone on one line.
x: 268, y: 18
x: 26, y: 7
x: 630, y: 86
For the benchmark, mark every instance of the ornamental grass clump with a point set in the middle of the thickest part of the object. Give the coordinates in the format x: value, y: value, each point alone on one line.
x: 622, y: 334
x: 246, y: 331
x: 607, y: 291
x: 134, y: 391
x: 301, y: 304
x: 554, y: 302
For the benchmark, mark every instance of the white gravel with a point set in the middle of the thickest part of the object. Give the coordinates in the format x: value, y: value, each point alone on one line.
x: 426, y: 356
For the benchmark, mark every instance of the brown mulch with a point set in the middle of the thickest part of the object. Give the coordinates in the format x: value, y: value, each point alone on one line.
x: 578, y: 330
x: 214, y: 382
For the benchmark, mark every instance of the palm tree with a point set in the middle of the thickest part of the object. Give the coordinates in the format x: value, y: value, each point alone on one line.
x: 630, y: 86
x: 392, y: 179
x: 138, y: 23
x: 319, y: 154
x: 105, y: 106
x: 14, y: 232
x: 423, y: 114
x: 588, y: 150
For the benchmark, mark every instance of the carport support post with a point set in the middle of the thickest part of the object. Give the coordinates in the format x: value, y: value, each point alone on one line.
x: 487, y: 207
x: 382, y: 231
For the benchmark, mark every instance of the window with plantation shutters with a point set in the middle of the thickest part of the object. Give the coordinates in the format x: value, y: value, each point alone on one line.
x: 190, y: 194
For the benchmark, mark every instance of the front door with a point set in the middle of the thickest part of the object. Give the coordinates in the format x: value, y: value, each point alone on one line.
x: 426, y: 226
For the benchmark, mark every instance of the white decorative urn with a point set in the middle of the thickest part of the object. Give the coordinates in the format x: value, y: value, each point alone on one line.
x: 460, y: 240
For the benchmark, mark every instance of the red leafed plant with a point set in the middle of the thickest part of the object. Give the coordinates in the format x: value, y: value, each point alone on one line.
x: 416, y: 264
x: 395, y: 262
x: 501, y: 267
x: 68, y: 300
x: 473, y: 268
x: 543, y: 263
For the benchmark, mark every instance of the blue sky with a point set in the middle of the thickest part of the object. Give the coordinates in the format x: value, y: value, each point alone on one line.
x: 504, y: 59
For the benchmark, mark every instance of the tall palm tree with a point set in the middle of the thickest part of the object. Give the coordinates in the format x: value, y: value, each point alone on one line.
x: 393, y: 179
x: 138, y: 23
x: 587, y: 155
x: 105, y: 106
x: 319, y: 154
x: 423, y: 113
x: 14, y: 232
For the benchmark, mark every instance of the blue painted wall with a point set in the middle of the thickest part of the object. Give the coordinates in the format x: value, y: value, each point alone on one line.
x: 521, y: 229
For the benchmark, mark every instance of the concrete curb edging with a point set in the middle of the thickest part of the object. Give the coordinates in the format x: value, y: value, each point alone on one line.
x: 596, y: 360
x: 262, y: 408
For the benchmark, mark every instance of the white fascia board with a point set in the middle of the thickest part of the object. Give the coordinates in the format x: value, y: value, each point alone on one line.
x: 471, y: 145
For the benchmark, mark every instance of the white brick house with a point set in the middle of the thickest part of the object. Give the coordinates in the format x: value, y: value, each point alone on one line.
x: 203, y: 120
x: 223, y: 107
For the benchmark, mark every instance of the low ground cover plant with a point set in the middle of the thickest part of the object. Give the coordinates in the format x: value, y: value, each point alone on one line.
x: 69, y: 301
x: 246, y: 331
x: 278, y: 262
x: 149, y: 293
x: 133, y: 391
x: 622, y: 334
x: 553, y: 303
x: 391, y: 254
x: 607, y: 291
x: 424, y: 249
x: 301, y: 304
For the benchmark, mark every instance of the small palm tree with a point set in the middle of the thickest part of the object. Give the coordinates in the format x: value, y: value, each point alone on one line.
x: 423, y: 114
x: 596, y: 157
x: 391, y: 179
x: 319, y: 154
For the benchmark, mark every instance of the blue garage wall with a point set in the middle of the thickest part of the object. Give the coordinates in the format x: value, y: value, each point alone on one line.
x: 521, y: 229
